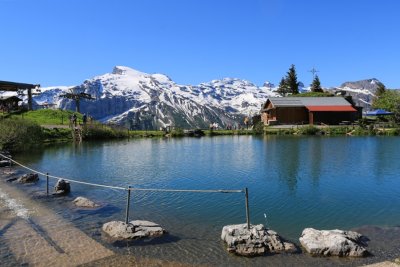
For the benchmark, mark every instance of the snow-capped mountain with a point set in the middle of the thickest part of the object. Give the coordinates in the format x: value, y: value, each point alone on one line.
x: 362, y: 92
x: 149, y: 101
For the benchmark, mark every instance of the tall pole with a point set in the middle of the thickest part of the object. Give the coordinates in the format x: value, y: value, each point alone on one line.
x: 29, y: 99
x: 313, y: 71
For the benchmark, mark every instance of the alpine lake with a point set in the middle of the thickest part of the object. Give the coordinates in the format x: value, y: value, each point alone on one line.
x: 294, y: 183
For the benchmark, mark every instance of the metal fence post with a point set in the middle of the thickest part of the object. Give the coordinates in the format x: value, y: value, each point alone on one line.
x: 246, y: 192
x: 127, y: 204
x: 47, y: 183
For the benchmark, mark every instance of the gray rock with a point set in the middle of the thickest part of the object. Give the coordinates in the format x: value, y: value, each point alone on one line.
x: 132, y: 230
x: 333, y: 243
x: 62, y: 187
x: 28, y: 178
x: 5, y: 163
x: 85, y: 203
x: 256, y: 241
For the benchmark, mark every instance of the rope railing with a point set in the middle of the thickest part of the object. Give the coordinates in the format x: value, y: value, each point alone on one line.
x: 63, y: 178
x: 130, y: 188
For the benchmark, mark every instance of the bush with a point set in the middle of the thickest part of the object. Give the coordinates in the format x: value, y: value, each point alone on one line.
x: 336, y: 130
x: 99, y: 131
x: 19, y: 134
x: 57, y: 133
x: 177, y: 132
x: 258, y: 128
x: 308, y: 130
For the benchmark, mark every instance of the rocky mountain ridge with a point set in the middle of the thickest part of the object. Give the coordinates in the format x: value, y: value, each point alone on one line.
x: 140, y: 100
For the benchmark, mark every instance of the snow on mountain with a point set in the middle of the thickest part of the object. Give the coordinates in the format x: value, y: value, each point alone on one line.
x: 148, y: 101
x: 141, y: 100
x: 362, y: 92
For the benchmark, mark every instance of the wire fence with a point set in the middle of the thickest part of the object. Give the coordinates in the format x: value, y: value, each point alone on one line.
x: 130, y: 188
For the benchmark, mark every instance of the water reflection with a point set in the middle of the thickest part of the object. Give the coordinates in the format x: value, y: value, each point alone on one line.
x: 297, y: 181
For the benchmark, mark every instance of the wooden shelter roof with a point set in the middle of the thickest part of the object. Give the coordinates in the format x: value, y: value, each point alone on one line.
x: 306, y: 101
x: 13, y: 86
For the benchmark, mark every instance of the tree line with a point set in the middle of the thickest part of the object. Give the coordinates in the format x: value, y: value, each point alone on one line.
x: 290, y: 86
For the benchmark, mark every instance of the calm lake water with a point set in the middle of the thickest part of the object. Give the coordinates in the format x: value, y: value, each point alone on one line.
x: 298, y: 182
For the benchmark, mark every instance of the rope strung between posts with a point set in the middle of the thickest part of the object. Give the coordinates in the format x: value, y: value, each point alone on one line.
x: 122, y: 188
x: 57, y: 177
x: 185, y: 190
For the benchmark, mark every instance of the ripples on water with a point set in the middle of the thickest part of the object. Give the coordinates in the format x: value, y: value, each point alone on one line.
x: 298, y: 182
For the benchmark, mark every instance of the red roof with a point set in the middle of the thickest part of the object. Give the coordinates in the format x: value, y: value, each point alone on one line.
x: 330, y: 108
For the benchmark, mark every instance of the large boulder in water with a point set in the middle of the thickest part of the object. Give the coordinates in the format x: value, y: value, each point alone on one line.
x: 132, y: 230
x: 28, y: 178
x: 254, y: 241
x: 62, y: 187
x: 85, y: 203
x: 333, y: 243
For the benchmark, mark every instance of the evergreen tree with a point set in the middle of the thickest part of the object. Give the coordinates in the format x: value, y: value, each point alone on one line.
x: 291, y: 80
x: 283, y: 88
x: 316, y: 85
x: 380, y: 89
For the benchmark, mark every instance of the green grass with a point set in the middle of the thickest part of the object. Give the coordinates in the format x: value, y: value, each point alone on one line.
x: 227, y: 132
x: 57, y: 134
x: 142, y: 133
x: 17, y: 134
x: 47, y: 116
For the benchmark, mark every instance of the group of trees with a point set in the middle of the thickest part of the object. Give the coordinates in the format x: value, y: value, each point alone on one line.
x: 290, y: 86
x: 388, y: 100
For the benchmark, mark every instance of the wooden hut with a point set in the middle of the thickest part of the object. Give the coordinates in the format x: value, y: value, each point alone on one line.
x: 308, y: 110
x: 9, y: 103
x: 17, y: 87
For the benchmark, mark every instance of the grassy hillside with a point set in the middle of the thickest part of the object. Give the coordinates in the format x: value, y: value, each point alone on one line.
x: 47, y: 116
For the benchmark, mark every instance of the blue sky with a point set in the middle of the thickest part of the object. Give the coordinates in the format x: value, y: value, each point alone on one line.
x: 64, y: 42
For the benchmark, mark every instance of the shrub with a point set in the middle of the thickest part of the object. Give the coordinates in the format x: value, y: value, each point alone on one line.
x: 308, y: 130
x: 258, y: 128
x: 99, y: 131
x: 336, y: 130
x: 57, y: 133
x: 19, y: 134
x: 177, y: 132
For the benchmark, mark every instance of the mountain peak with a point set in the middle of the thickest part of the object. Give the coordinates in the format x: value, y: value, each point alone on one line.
x: 368, y: 84
x: 122, y: 70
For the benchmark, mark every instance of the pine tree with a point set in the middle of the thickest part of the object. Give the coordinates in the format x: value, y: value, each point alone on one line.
x: 380, y: 89
x: 291, y: 80
x: 316, y: 85
x: 283, y: 88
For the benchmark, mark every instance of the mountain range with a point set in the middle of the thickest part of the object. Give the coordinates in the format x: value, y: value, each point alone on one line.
x: 140, y: 100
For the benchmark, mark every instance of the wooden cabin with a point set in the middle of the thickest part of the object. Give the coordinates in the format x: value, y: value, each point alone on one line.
x: 19, y: 87
x: 308, y: 110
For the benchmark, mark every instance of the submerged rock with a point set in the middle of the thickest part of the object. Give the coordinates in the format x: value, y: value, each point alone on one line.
x: 85, y: 203
x: 333, y: 243
x: 256, y: 241
x: 62, y: 187
x: 28, y: 178
x: 132, y: 230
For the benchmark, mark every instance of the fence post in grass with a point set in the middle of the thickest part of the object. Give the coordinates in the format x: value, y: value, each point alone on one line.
x: 127, y: 205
